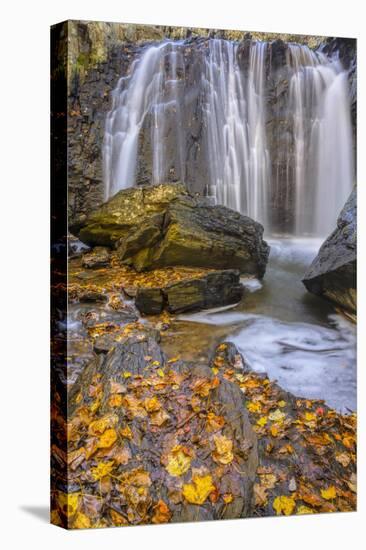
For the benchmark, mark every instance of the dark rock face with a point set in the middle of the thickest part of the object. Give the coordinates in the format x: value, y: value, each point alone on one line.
x: 333, y: 272
x: 217, y: 288
x: 164, y: 225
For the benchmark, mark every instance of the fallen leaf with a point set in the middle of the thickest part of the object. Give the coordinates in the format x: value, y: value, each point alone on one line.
x: 107, y: 439
x: 179, y: 461
x: 223, y: 452
x: 329, y: 493
x: 284, y: 505
x: 198, y: 491
x: 343, y: 458
x: 161, y: 513
x: 102, y: 469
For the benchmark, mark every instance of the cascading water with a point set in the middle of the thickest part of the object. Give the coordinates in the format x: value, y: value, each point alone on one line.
x: 323, y: 157
x: 231, y: 103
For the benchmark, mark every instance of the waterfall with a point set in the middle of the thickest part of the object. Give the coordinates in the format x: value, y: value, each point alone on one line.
x: 235, y: 119
x: 323, y: 158
x: 174, y: 87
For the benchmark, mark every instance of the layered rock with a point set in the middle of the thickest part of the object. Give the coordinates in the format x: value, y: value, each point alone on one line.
x: 165, y: 225
x: 217, y: 288
x: 332, y: 274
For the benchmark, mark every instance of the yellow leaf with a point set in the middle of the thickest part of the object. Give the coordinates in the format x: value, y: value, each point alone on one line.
x: 127, y: 374
x: 152, y: 404
x: 179, y: 461
x: 304, y: 510
x: 274, y: 431
x: 262, y: 421
x: 282, y: 403
x: 68, y: 503
x: 329, y: 493
x: 284, y: 505
x: 99, y: 426
x: 197, y: 491
x: 103, y: 469
x: 160, y: 373
x: 253, y: 407
x: 81, y: 521
x: 115, y: 400
x: 215, y: 370
x: 227, y: 498
x: 107, y: 439
x: 223, y: 452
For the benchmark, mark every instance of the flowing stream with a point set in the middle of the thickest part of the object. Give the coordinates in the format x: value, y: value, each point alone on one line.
x: 281, y: 329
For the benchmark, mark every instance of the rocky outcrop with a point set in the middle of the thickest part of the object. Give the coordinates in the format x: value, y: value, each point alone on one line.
x: 215, y: 289
x: 332, y: 274
x: 164, y: 225
x: 185, y: 435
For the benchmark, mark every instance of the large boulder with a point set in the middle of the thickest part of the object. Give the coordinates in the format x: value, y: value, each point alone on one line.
x: 333, y: 272
x: 164, y: 225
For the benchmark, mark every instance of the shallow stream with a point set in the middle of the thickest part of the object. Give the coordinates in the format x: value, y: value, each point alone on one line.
x: 295, y: 337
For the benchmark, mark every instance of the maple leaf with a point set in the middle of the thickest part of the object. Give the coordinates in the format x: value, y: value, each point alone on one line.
x: 223, y: 452
x: 81, y: 521
x: 179, y: 461
x: 107, y: 439
x: 329, y: 493
x: 253, y: 406
x: 284, y: 505
x: 103, y: 469
x: 162, y: 513
x: 152, y: 404
x: 98, y: 427
x: 227, y: 498
x: 200, y: 488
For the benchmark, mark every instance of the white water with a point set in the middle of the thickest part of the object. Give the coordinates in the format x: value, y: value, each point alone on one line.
x: 291, y: 335
x: 319, y: 105
x: 232, y: 106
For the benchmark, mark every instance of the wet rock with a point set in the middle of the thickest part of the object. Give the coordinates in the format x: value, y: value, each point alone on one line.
x: 97, y: 316
x: 148, y: 446
x: 332, y: 274
x: 92, y: 296
x: 98, y: 257
x: 164, y: 225
x: 215, y: 289
x: 227, y: 355
x: 149, y: 300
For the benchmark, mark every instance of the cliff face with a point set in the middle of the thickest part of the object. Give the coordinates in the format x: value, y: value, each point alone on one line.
x: 99, y: 53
